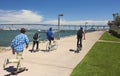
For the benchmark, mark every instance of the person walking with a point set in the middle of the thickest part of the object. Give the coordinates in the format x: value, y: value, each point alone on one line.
x: 36, y: 38
x: 17, y: 45
x: 80, y: 35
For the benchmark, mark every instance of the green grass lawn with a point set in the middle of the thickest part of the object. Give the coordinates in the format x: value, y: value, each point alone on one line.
x: 102, y: 60
x: 109, y: 37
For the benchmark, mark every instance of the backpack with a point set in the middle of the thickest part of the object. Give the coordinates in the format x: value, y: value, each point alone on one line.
x: 35, y: 37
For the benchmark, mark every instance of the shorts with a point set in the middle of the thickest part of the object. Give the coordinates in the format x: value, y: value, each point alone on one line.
x: 52, y: 38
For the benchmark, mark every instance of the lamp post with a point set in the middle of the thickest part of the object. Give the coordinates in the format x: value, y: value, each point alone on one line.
x: 86, y: 26
x: 59, y: 25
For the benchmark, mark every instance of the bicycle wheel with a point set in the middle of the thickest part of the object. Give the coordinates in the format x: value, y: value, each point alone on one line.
x: 54, y: 46
x: 48, y: 47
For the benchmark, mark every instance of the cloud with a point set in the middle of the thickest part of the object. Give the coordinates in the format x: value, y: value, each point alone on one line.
x: 78, y: 22
x: 21, y: 16
x: 28, y: 16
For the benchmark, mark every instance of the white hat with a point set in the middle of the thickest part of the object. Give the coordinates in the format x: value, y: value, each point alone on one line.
x: 38, y: 30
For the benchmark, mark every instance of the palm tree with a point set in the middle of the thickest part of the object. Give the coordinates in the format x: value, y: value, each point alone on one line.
x: 114, y: 16
x: 117, y: 21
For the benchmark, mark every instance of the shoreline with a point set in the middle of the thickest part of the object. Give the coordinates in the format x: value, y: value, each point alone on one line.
x: 8, y: 48
x: 4, y: 49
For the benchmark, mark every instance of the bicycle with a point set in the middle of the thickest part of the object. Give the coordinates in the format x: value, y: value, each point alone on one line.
x: 52, y: 46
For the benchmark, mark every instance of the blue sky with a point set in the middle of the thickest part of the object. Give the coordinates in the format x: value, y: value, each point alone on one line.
x: 46, y: 11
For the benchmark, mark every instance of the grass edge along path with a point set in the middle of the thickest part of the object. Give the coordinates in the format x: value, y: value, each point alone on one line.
x: 108, y: 37
x: 102, y: 60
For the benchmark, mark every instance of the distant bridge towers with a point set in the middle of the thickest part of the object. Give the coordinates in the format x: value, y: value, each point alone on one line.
x: 46, y: 26
x: 77, y: 27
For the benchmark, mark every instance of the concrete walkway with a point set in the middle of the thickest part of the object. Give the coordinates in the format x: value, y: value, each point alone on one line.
x: 59, y: 62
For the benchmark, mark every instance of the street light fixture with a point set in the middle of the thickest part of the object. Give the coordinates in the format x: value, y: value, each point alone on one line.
x: 86, y: 26
x: 59, y: 25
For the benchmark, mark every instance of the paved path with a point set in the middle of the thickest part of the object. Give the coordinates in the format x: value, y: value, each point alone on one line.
x: 54, y: 63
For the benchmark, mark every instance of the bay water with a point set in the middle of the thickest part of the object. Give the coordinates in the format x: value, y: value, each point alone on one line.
x: 6, y: 36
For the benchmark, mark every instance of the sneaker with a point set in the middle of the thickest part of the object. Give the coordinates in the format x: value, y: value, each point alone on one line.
x: 77, y: 51
x: 5, y: 62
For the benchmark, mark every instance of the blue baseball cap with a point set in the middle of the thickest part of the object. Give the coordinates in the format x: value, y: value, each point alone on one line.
x: 50, y: 28
x: 81, y: 27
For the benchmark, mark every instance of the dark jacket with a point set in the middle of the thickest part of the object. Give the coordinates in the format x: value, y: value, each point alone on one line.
x: 80, y: 33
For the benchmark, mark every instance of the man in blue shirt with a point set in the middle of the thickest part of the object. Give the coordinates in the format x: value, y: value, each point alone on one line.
x: 50, y: 35
x: 19, y: 41
x: 17, y: 45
